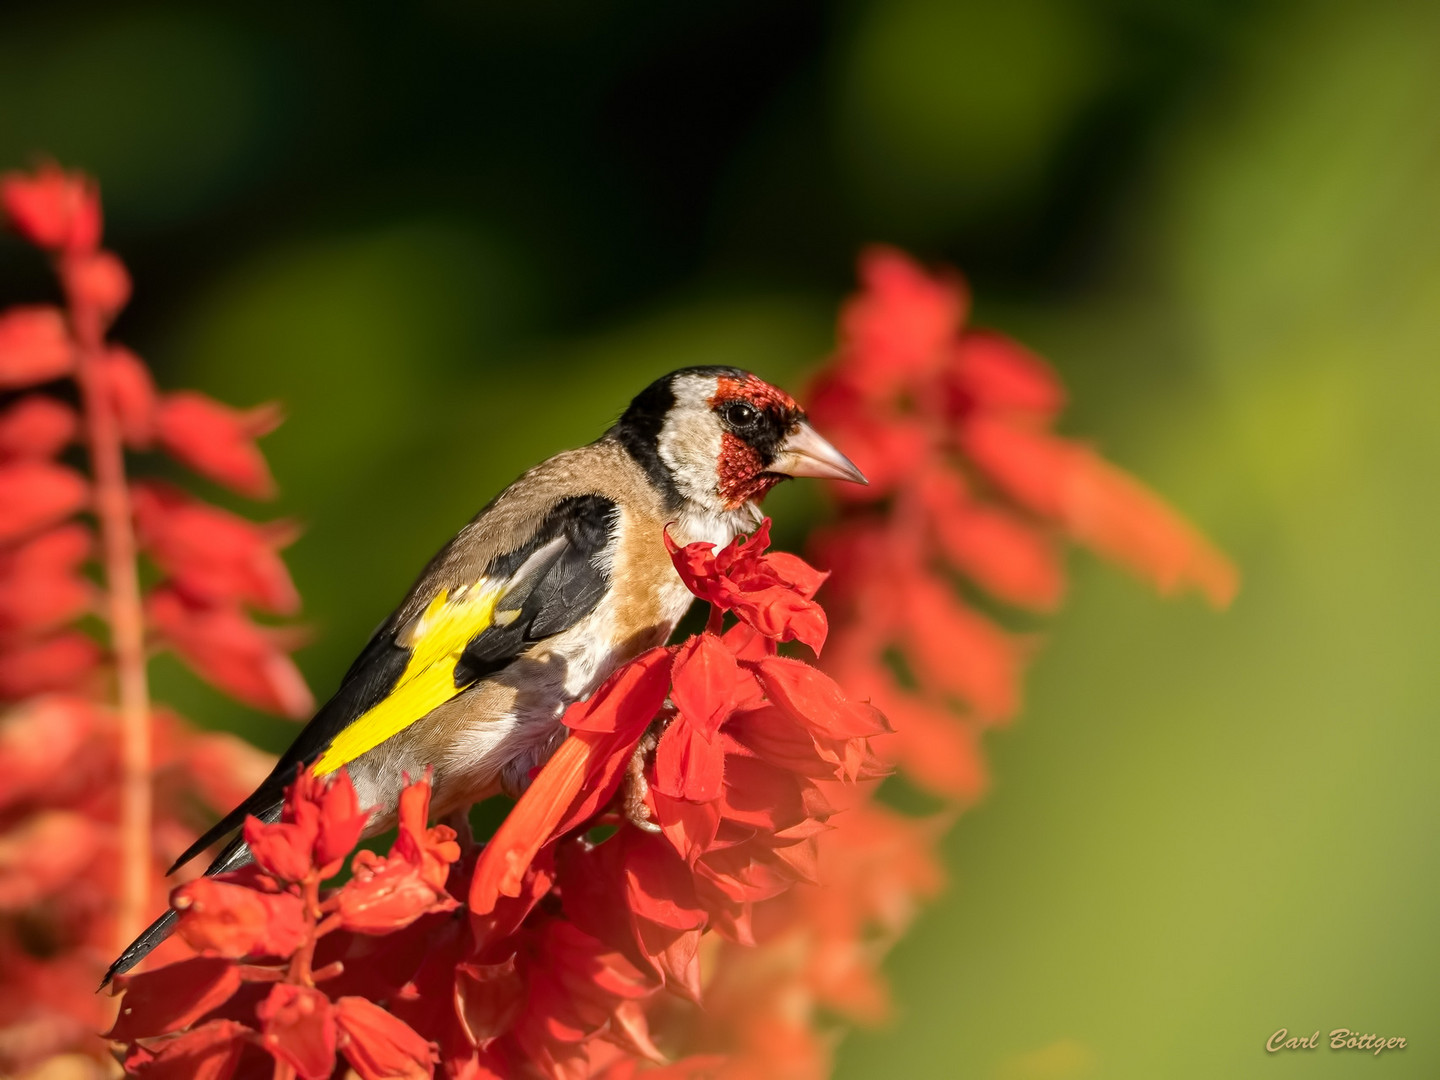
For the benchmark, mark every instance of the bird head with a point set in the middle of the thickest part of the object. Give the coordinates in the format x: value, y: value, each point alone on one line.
x: 721, y: 438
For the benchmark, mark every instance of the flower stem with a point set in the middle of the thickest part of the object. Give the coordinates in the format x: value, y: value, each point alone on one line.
x: 127, y: 628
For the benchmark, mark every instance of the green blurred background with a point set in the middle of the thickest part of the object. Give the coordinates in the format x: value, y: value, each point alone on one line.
x: 454, y: 238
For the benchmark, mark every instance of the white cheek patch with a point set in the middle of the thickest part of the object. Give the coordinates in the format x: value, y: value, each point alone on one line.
x: 690, y: 439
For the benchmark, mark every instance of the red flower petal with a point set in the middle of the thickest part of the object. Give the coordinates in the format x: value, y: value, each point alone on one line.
x: 954, y: 650
x: 283, y: 848
x: 99, y: 280
x: 1100, y: 506
x: 211, y: 554
x: 38, y: 741
x: 342, y: 821
x: 35, y: 346
x: 132, y: 395
x: 813, y: 698
x: 688, y: 763
x: 705, y: 679
x: 431, y: 851
x: 387, y: 894
x: 37, y: 494
x: 993, y: 372
x: 659, y: 887
x: 172, y: 997
x: 628, y: 699
x: 44, y: 854
x: 221, y: 919
x: 36, y: 426
x: 488, y: 998
x: 209, y: 1052
x: 227, y: 649
x: 218, y: 441
x: 60, y: 662
x: 41, y: 587
x: 52, y: 208
x: 298, y: 1027
x: 380, y: 1047
x: 897, y: 328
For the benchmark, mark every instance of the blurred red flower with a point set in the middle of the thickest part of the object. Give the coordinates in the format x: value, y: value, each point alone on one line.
x: 95, y: 799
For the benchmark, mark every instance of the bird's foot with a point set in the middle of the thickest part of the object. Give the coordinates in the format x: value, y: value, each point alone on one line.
x: 634, y: 787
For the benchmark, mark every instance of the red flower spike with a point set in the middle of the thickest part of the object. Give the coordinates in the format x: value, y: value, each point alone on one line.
x: 380, y: 1047
x: 37, y: 494
x: 52, y: 208
x: 218, y: 918
x: 298, y: 1027
x: 36, y: 426
x: 219, y: 442
x: 35, y: 347
x: 209, y: 1052
x: 98, y: 280
x: 173, y: 997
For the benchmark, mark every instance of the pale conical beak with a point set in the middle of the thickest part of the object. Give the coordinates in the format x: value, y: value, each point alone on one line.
x: 805, y: 453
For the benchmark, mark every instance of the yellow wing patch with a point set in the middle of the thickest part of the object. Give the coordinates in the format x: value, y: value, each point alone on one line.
x: 437, y: 638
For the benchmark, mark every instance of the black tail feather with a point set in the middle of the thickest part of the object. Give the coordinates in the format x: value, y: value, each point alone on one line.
x: 233, y: 856
x: 140, y: 948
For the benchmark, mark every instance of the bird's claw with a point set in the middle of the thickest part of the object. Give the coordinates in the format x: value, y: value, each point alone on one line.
x: 635, y: 787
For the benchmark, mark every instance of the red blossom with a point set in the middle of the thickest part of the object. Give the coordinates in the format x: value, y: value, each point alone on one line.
x: 41, y: 586
x: 380, y: 1047
x: 209, y: 1052
x: 36, y: 426
x: 174, y: 997
x: 61, y: 661
x: 298, y: 1027
x: 217, y: 441
x: 52, y: 208
x: 99, y: 280
x: 37, y: 494
x: 221, y: 918
x: 40, y: 740
x: 35, y: 346
x: 213, y: 555
x: 132, y: 395
x: 225, y: 647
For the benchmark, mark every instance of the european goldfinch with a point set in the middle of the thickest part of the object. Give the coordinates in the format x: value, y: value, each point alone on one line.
x: 563, y: 577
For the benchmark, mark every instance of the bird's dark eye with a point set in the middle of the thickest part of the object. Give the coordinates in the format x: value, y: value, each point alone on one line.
x: 740, y: 415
